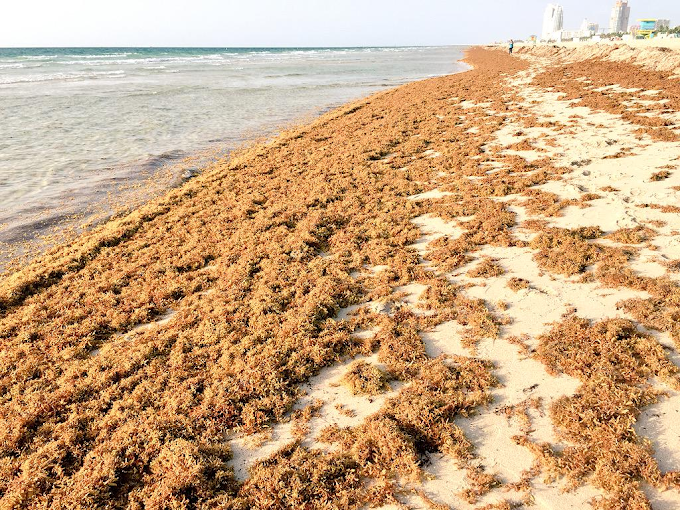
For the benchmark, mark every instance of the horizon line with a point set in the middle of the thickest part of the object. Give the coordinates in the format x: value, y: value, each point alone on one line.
x: 242, y: 47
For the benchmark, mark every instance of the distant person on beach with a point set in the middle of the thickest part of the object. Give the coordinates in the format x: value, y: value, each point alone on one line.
x: 511, y: 46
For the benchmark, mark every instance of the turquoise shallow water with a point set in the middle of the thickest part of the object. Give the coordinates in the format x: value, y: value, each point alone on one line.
x: 82, y: 125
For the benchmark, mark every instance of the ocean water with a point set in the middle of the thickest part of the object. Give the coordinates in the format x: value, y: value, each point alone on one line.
x: 86, y: 131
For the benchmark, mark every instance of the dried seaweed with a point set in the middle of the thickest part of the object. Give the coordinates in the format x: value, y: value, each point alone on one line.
x: 613, y: 361
x: 365, y: 379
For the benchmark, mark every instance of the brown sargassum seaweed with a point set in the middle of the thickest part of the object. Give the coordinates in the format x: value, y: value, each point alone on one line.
x: 131, y: 356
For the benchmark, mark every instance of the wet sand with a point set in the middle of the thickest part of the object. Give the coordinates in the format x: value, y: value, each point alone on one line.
x: 460, y: 293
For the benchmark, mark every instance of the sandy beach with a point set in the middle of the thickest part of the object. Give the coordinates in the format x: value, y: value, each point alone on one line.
x: 460, y: 293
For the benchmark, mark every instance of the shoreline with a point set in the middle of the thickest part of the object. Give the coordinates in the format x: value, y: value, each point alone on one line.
x: 461, y: 291
x: 59, y: 187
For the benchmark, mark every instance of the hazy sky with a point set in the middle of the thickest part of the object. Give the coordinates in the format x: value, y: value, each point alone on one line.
x: 292, y: 22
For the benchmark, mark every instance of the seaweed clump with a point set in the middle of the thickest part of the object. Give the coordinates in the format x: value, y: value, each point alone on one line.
x: 419, y: 420
x: 660, y: 176
x: 365, y: 379
x: 635, y: 235
x: 487, y: 268
x: 296, y: 477
x: 567, y: 252
x: 517, y: 284
x: 614, y: 363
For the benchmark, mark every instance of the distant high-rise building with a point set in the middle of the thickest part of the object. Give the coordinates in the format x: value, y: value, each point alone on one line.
x: 553, y: 21
x: 588, y: 28
x: 620, y: 16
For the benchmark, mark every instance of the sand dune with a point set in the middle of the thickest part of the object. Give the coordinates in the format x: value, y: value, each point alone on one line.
x: 659, y: 55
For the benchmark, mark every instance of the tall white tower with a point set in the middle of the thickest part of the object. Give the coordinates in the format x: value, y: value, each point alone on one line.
x: 553, y: 21
x: 618, y: 22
